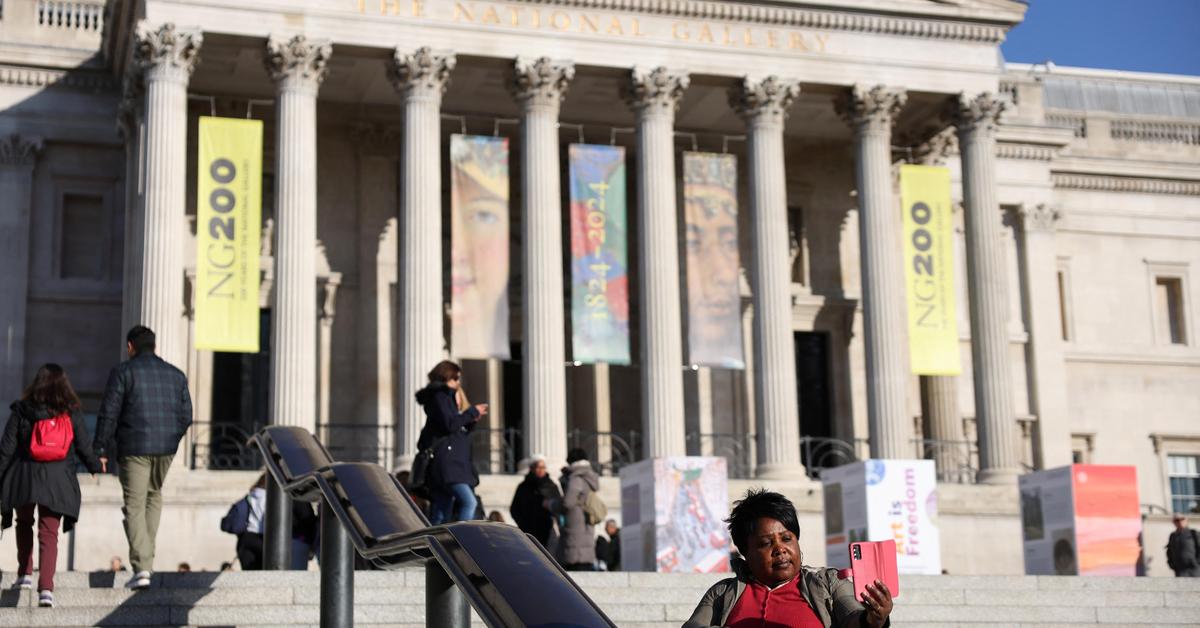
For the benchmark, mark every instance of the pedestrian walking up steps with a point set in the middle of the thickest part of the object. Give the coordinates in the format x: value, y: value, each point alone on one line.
x: 636, y: 600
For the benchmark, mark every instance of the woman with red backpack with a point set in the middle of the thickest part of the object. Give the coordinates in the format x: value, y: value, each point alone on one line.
x: 44, y: 440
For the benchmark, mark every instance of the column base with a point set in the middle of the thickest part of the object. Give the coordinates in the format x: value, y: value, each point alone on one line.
x: 776, y: 471
x: 997, y: 476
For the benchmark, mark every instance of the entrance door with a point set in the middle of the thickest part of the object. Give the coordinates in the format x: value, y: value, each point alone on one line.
x: 812, y: 381
x: 240, y: 403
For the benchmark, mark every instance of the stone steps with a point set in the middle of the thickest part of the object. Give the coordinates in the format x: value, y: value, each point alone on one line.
x: 637, y: 600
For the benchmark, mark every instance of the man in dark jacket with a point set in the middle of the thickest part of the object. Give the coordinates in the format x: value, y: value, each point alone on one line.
x: 535, y: 502
x: 1183, y: 549
x: 145, y: 412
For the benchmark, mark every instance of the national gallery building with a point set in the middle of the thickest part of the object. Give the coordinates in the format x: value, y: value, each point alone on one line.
x: 645, y: 227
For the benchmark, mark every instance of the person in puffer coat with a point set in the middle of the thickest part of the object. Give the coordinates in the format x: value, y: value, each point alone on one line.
x: 578, y: 549
x: 52, y: 488
x: 452, y: 478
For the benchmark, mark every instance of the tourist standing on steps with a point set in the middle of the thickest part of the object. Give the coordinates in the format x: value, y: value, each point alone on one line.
x: 451, y: 476
x: 535, y: 502
x: 145, y: 412
x: 44, y: 440
x: 1183, y: 549
x: 578, y: 549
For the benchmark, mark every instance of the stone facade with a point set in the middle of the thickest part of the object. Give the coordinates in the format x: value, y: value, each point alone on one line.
x: 1079, y: 195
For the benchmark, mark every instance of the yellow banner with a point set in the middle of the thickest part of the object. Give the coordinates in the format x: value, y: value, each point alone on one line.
x: 228, y: 234
x: 929, y: 270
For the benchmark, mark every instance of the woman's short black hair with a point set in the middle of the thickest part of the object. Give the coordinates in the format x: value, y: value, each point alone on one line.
x: 575, y: 455
x: 759, y: 504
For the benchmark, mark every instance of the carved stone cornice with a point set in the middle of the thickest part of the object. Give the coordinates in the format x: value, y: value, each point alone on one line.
x: 19, y: 151
x: 1039, y: 217
x: 978, y: 114
x: 166, y: 51
x: 1035, y: 152
x: 44, y: 77
x: 766, y: 100
x: 423, y: 71
x: 297, y: 60
x: 655, y: 90
x: 541, y: 82
x: 783, y: 17
x: 870, y: 108
x: 1107, y: 183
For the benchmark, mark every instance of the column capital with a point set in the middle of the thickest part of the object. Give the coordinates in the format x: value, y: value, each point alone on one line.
x: 978, y: 114
x: 870, y: 108
x: 542, y: 81
x: 18, y: 151
x: 421, y: 71
x: 655, y: 90
x: 1039, y: 217
x: 297, y: 61
x: 766, y: 100
x: 166, y: 52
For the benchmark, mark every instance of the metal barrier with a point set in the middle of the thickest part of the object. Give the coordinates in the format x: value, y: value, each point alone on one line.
x: 365, y: 509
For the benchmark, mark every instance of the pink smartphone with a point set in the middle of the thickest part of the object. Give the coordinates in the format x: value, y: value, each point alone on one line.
x: 871, y: 561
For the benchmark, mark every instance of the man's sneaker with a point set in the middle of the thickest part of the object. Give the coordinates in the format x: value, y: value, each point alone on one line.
x: 23, y: 582
x: 141, y: 580
x: 46, y: 599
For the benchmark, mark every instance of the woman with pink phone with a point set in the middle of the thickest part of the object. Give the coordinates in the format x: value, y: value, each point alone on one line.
x: 772, y: 588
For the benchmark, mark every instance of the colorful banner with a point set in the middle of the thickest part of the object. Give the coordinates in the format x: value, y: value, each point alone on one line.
x: 929, y: 270
x: 479, y: 247
x: 711, y: 228
x: 599, y: 267
x: 228, y: 234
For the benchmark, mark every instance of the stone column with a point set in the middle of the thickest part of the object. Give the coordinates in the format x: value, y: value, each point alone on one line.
x: 1047, y: 376
x: 17, y: 158
x: 421, y: 78
x: 166, y: 56
x: 539, y: 86
x: 943, y: 425
x: 654, y: 95
x: 977, y: 119
x: 130, y: 125
x: 764, y: 106
x: 297, y: 66
x: 870, y: 112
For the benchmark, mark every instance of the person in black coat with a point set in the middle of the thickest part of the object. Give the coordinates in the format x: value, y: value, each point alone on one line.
x: 50, y: 487
x: 452, y: 479
x: 535, y: 501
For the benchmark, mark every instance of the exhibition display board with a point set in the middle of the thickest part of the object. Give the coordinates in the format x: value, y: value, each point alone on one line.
x: 673, y: 514
x: 878, y: 500
x: 1081, y: 520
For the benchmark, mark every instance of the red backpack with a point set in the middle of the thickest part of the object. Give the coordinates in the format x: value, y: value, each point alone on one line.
x: 51, y: 438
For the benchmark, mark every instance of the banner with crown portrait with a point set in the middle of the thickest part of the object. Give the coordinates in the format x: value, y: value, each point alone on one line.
x: 479, y: 219
x: 711, y: 237
x: 599, y: 247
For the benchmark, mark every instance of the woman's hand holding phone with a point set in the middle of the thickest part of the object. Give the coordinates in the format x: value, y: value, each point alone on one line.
x: 878, y: 603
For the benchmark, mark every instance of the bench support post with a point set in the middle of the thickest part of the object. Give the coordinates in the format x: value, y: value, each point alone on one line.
x: 445, y: 605
x: 337, y: 572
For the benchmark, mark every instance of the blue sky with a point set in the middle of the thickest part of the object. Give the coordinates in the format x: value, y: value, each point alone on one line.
x: 1139, y: 35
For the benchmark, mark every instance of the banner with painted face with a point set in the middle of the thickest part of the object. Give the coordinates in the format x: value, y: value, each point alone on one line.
x: 479, y: 218
x: 711, y: 230
x: 228, y: 240
x: 599, y: 247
